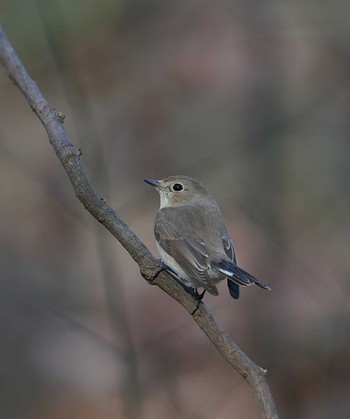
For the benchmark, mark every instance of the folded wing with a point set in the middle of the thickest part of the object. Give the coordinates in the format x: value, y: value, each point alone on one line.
x: 185, y: 246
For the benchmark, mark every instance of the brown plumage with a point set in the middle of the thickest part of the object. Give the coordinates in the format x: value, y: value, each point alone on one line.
x: 192, y: 238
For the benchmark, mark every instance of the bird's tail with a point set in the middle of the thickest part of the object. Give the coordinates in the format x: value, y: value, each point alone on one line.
x: 233, y: 289
x: 238, y: 275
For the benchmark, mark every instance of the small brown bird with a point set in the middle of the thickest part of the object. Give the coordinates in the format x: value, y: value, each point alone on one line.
x: 192, y: 238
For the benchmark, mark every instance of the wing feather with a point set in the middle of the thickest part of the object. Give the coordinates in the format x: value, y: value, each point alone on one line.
x: 228, y: 246
x: 185, y: 245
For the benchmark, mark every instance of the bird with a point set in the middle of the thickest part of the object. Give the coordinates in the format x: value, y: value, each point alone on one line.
x: 192, y: 239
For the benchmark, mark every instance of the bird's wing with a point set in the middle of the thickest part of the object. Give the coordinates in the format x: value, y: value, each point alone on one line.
x: 233, y: 287
x: 235, y: 275
x: 228, y: 247
x: 184, y: 245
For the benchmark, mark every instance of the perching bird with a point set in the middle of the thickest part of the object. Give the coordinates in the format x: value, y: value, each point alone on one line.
x: 192, y: 238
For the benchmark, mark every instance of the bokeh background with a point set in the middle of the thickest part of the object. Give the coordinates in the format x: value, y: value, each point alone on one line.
x: 250, y: 97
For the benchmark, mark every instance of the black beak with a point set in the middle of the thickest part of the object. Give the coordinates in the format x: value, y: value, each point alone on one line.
x: 152, y: 182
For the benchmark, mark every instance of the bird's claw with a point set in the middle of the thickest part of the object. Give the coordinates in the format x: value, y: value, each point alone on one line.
x: 198, y: 296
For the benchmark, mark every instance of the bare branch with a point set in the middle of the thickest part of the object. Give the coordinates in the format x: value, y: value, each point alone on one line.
x: 99, y: 208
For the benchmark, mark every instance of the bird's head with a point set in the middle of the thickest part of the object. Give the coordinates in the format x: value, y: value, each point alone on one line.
x: 178, y: 190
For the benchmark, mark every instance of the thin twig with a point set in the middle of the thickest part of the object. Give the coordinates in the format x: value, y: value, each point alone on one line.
x: 99, y: 208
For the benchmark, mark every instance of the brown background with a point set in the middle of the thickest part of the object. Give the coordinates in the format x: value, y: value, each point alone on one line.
x: 250, y: 97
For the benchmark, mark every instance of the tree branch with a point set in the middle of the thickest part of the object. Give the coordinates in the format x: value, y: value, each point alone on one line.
x: 99, y: 208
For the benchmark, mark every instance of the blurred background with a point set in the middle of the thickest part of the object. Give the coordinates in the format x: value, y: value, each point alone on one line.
x: 250, y: 97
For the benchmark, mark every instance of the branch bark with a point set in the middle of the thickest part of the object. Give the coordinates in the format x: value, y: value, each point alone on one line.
x: 101, y: 210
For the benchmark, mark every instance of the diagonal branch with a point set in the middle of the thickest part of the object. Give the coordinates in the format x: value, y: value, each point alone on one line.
x: 99, y: 208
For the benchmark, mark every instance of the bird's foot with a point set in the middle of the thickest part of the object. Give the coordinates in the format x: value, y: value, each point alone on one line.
x: 150, y: 273
x: 198, y: 296
x: 161, y: 267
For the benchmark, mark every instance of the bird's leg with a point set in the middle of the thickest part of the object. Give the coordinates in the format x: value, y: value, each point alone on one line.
x: 192, y: 291
x: 151, y: 274
x: 199, y: 300
x: 161, y: 267
x: 201, y: 295
x: 195, y: 294
x: 167, y: 268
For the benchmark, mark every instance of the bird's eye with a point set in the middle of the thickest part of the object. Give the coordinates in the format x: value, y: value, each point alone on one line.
x: 177, y: 187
